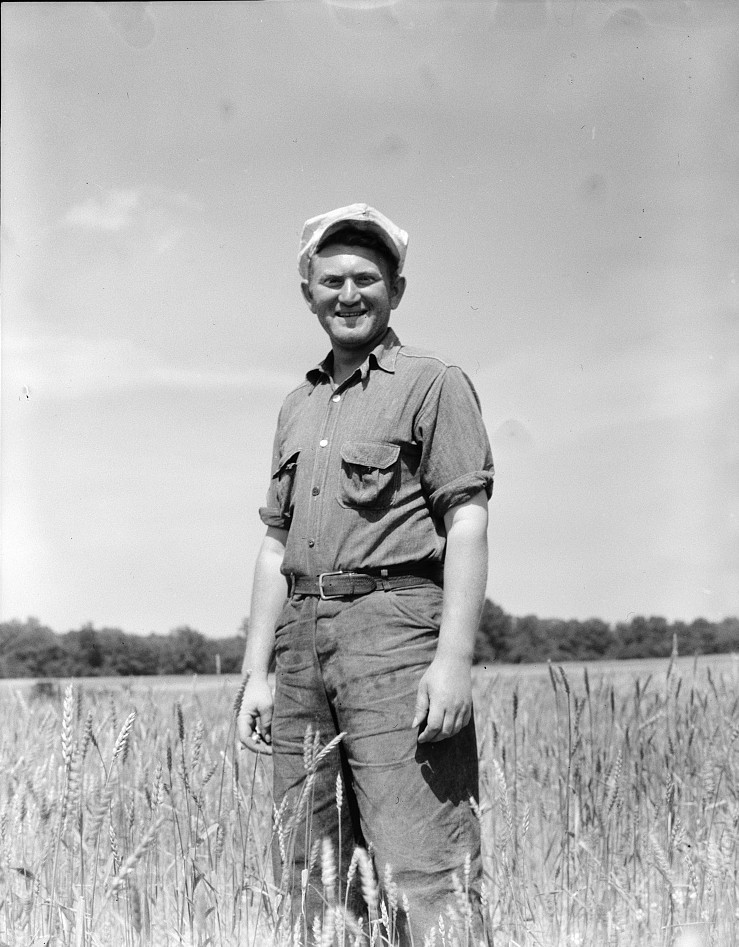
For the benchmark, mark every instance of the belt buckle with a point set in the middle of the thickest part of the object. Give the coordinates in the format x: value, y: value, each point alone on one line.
x: 323, y: 576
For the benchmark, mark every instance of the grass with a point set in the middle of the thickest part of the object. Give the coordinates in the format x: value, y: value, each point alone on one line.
x: 609, y: 809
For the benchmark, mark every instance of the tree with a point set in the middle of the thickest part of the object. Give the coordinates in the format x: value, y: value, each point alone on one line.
x: 526, y: 640
x: 189, y: 651
x: 727, y: 635
x: 702, y: 637
x: 594, y: 639
x: 643, y: 638
x: 492, y: 640
x: 30, y: 649
x: 89, y: 647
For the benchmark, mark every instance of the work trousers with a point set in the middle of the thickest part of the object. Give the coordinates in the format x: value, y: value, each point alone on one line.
x: 353, y: 666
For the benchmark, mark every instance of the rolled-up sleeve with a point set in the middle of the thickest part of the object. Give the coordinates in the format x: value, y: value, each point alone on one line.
x: 277, y: 510
x: 456, y: 460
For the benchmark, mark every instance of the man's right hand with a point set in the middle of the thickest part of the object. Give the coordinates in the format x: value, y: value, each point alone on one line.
x: 255, y: 716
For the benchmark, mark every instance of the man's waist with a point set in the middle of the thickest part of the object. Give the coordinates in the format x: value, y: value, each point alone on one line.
x: 355, y: 582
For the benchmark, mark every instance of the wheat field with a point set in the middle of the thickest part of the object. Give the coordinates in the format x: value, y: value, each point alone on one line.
x: 609, y: 810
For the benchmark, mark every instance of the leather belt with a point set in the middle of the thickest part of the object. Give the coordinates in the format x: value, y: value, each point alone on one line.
x: 339, y: 584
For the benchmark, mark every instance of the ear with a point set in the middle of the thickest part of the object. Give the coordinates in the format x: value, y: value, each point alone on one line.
x: 308, y: 296
x: 396, y: 293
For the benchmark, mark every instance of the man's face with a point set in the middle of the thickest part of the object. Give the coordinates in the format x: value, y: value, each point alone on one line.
x: 351, y: 292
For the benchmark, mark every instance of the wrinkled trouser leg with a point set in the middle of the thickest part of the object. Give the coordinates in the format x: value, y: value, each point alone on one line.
x: 307, y: 809
x: 354, y: 666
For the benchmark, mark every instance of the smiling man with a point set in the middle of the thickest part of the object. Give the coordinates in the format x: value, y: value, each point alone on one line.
x: 368, y: 589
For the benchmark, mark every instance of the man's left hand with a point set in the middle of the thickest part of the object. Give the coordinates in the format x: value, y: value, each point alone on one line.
x: 444, y: 700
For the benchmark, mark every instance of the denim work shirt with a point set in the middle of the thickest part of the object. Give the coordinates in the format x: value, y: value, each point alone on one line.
x: 363, y: 474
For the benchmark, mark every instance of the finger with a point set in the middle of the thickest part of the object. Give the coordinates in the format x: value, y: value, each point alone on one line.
x: 246, y: 726
x: 461, y: 719
x: 257, y: 745
x: 265, y: 721
x: 428, y: 735
x: 447, y: 728
x: 422, y: 705
x: 433, y: 726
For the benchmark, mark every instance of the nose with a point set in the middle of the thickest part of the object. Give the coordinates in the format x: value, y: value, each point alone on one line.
x: 349, y: 293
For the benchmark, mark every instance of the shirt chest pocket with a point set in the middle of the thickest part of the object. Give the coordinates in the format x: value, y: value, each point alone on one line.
x: 283, y: 481
x: 370, y: 475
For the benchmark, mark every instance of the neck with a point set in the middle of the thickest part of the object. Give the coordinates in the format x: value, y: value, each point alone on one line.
x: 347, y: 362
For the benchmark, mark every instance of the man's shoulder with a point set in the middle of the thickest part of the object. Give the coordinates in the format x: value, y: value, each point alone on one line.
x: 417, y: 365
x: 298, y: 394
x: 421, y: 359
x: 300, y: 389
x: 415, y: 351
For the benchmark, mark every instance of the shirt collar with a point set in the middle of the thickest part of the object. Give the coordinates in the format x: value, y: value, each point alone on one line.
x: 383, y: 356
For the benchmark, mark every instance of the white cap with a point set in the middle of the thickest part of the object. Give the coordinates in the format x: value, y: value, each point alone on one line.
x: 361, y: 216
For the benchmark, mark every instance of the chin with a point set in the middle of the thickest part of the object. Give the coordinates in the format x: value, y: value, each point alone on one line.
x: 353, y: 341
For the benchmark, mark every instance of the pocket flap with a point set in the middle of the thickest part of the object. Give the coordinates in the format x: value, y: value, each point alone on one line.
x: 368, y: 454
x: 289, y: 460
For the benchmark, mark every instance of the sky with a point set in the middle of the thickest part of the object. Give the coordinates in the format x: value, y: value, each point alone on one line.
x: 568, y: 175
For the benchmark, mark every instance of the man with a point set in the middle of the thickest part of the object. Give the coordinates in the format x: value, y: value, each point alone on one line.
x: 377, y: 516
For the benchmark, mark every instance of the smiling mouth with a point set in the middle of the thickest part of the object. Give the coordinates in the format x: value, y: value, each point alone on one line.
x: 353, y: 312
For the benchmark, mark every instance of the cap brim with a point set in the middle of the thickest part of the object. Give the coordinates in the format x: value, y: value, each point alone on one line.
x: 358, y: 224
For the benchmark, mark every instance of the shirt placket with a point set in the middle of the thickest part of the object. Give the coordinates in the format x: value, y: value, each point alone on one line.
x: 326, y: 455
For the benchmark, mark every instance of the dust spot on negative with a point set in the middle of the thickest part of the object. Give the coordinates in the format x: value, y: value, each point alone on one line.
x: 394, y: 145
x: 364, y: 16
x: 133, y: 22
x: 227, y: 109
x: 595, y: 185
x: 627, y: 21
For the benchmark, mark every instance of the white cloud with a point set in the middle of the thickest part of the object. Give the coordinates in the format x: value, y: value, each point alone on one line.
x: 155, y: 218
x: 72, y: 367
x: 110, y: 212
x: 558, y: 396
x: 134, y: 22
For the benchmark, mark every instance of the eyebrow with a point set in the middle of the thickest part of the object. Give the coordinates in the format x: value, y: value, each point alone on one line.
x: 335, y: 274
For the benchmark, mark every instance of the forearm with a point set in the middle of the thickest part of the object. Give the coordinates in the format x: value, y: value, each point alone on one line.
x: 444, y: 698
x: 465, y: 578
x: 268, y: 597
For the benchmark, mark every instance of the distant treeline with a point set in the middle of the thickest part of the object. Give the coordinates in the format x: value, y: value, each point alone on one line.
x: 30, y: 649
x: 502, y: 637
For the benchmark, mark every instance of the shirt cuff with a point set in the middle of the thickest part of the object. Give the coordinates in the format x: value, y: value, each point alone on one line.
x: 460, y: 491
x: 274, y: 518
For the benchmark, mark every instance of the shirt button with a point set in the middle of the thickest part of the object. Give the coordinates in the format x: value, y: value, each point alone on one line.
x: 311, y: 543
x: 315, y: 491
x: 323, y: 442
x: 336, y: 398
